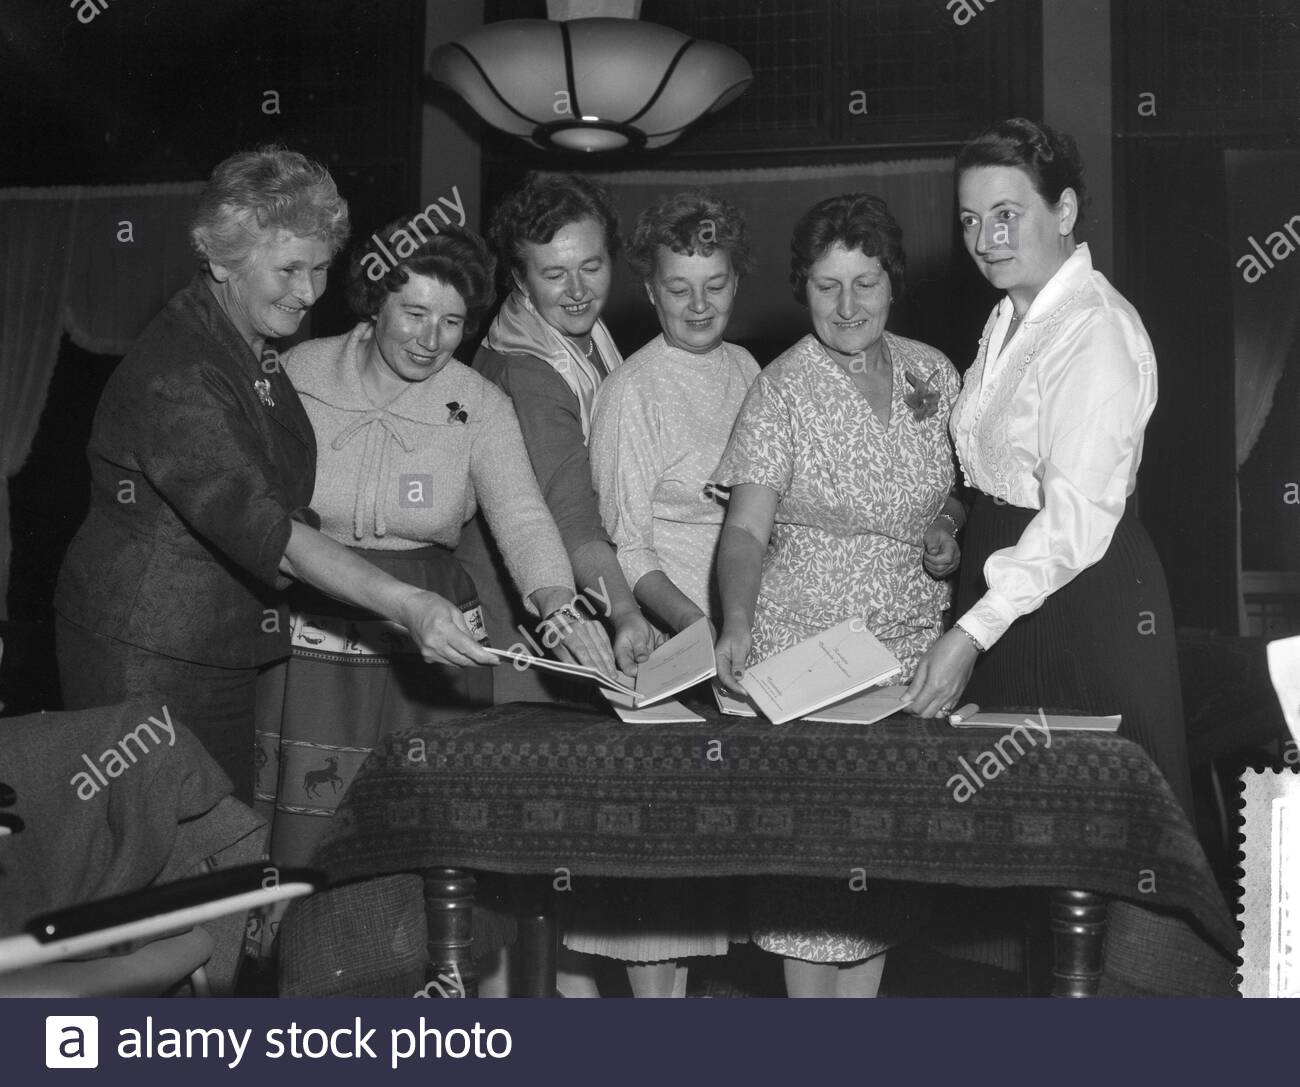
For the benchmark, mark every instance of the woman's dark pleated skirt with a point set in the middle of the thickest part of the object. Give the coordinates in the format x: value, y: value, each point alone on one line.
x: 1102, y: 644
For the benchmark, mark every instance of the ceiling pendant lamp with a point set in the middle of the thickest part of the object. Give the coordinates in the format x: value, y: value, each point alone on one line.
x: 590, y: 84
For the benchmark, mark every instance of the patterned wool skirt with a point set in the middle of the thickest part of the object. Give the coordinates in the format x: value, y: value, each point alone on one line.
x: 1102, y: 644
x: 350, y: 681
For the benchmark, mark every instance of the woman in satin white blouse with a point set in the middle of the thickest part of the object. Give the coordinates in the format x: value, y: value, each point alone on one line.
x: 1063, y: 601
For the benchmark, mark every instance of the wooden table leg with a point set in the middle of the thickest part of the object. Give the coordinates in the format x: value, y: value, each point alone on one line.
x: 539, y: 942
x: 1078, y: 922
x: 449, y: 912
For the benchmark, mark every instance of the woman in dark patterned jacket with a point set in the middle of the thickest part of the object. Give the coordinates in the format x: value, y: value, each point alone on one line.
x: 202, y: 464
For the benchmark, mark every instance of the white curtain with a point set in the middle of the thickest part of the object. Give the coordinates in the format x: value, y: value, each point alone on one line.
x: 1261, y: 201
x: 95, y: 262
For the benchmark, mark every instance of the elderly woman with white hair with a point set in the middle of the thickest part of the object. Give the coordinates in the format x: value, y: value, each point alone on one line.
x: 202, y: 465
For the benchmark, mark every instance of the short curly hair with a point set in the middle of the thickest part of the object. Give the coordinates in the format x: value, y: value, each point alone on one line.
x: 693, y: 223
x: 542, y: 206
x: 1050, y: 158
x: 253, y: 194
x: 854, y: 220
x: 454, y: 256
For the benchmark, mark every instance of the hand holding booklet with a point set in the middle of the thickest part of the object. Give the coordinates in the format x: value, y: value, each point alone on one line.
x: 681, y: 662
x: 820, y: 671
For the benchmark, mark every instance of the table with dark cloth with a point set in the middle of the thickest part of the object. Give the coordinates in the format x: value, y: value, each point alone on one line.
x: 531, y: 789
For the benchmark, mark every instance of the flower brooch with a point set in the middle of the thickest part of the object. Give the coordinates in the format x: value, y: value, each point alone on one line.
x: 262, y: 386
x: 455, y: 413
x: 923, y: 398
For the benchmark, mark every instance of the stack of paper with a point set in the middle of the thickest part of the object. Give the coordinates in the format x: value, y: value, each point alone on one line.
x: 1054, y: 722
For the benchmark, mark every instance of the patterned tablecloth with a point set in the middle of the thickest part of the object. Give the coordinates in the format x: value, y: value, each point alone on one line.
x: 531, y: 788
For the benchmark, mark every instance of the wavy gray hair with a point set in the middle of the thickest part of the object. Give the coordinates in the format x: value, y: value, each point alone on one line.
x: 254, y: 193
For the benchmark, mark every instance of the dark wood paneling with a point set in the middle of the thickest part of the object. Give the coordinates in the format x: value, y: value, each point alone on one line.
x: 1210, y: 68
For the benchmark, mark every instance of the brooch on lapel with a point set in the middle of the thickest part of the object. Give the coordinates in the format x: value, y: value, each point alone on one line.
x: 922, y: 399
x: 455, y: 413
x: 262, y: 386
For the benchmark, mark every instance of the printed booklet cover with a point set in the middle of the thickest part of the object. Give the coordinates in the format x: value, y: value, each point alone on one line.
x: 822, y: 670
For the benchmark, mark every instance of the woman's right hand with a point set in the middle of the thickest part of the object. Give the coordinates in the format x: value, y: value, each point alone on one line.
x: 584, y: 641
x: 440, y: 631
x: 635, y: 638
x: 730, y: 654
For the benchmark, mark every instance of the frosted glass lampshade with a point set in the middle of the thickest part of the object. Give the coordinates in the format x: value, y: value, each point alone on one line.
x: 590, y: 84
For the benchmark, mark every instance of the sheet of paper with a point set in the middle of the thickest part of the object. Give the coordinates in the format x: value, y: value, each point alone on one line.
x: 681, y: 662
x: 618, y: 682
x: 730, y: 704
x: 671, y: 712
x: 819, y: 671
x: 862, y: 709
x: 1284, y: 671
x: 1269, y: 840
x: 1055, y: 722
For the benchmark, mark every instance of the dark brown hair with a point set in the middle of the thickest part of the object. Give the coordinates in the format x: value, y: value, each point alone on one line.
x: 454, y: 256
x: 691, y: 223
x: 1050, y: 158
x: 855, y: 220
x: 542, y: 206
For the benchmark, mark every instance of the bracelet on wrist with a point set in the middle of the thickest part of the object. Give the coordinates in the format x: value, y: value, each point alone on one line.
x: 956, y: 528
x: 970, y: 638
x: 565, y: 616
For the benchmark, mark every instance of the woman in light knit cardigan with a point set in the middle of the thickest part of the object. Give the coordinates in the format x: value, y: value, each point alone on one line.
x: 410, y: 444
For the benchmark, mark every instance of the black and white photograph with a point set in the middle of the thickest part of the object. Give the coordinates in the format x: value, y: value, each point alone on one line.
x: 626, y: 499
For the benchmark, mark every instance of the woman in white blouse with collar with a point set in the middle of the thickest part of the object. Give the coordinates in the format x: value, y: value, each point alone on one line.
x: 1062, y: 603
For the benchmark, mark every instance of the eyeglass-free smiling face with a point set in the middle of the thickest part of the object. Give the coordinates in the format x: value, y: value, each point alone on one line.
x: 693, y: 296
x: 268, y: 297
x: 1017, y: 240
x: 416, y: 331
x: 848, y: 297
x: 568, y: 278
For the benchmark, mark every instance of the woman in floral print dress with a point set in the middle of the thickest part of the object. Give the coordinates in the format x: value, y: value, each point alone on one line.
x: 840, y: 471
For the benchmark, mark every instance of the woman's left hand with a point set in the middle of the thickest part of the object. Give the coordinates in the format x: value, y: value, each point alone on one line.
x: 941, y: 676
x: 942, y: 552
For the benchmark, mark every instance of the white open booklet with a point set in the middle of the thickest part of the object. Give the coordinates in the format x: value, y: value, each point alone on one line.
x: 681, y: 662
x: 818, y: 672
